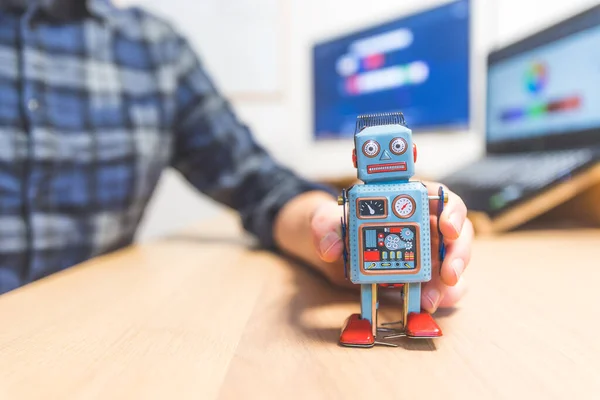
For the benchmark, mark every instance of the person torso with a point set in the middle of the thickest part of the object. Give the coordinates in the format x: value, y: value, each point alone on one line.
x: 85, y: 110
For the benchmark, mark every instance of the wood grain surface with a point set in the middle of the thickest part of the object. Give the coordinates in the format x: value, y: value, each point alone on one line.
x: 203, y: 315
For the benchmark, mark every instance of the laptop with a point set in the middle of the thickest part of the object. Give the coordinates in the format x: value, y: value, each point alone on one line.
x: 542, y: 117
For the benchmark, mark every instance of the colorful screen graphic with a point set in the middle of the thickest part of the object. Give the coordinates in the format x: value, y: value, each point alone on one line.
x: 418, y: 65
x: 553, y: 89
x: 536, y: 77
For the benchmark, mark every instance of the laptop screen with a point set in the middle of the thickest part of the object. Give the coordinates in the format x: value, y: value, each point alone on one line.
x: 547, y: 86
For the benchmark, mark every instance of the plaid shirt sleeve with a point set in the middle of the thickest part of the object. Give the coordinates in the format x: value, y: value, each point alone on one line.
x: 218, y: 155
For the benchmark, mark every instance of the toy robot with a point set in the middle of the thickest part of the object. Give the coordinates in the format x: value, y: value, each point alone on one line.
x: 386, y: 230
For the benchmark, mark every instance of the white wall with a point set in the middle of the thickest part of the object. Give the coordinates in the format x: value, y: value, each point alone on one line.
x: 282, y: 121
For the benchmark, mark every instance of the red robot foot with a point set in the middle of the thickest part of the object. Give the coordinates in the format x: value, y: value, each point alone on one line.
x: 422, y: 325
x: 357, y: 332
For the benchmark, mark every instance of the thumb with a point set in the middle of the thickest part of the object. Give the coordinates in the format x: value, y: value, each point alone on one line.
x: 326, y: 231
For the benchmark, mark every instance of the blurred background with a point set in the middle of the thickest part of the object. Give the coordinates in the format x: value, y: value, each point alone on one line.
x: 298, y: 73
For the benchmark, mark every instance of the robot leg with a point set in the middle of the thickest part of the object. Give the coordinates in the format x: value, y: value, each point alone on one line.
x: 413, y: 298
x: 367, y: 300
x: 419, y: 324
x: 360, y: 329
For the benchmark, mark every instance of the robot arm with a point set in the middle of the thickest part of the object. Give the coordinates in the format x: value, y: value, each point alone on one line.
x: 342, y: 200
x: 442, y: 198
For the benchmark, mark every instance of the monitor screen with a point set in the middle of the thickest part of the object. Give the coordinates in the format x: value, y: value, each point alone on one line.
x: 552, y: 88
x: 418, y: 65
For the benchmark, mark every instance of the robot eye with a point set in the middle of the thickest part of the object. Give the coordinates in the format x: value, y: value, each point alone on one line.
x: 370, y: 148
x: 398, y: 146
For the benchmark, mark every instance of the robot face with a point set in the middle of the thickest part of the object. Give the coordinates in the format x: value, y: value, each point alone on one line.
x: 384, y: 153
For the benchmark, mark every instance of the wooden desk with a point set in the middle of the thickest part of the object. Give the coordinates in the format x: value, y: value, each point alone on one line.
x: 201, y: 316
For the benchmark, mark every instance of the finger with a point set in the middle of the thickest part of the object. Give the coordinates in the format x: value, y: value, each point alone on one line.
x: 432, y: 294
x: 435, y: 294
x: 453, y: 294
x: 458, y: 255
x: 326, y: 231
x: 454, y: 213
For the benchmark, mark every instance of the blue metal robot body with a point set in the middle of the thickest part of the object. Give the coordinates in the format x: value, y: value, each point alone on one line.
x: 391, y: 244
x: 388, y: 225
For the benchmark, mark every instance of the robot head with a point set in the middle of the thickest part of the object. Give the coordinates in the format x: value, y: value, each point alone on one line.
x: 383, y: 148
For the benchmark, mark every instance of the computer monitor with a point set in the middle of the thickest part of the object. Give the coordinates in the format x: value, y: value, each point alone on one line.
x: 543, y: 92
x: 418, y: 64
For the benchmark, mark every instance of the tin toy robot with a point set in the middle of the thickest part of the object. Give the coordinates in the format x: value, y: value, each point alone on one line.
x: 386, y: 231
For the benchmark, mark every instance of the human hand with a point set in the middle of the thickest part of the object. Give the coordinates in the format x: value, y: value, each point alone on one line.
x: 446, y: 287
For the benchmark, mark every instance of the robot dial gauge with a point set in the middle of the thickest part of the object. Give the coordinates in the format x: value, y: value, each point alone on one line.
x: 404, y: 206
x: 372, y: 208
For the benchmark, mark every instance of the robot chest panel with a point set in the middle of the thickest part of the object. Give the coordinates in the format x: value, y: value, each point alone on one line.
x: 387, y: 228
x: 387, y: 247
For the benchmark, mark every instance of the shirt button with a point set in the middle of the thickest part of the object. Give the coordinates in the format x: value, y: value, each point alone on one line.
x: 33, y: 105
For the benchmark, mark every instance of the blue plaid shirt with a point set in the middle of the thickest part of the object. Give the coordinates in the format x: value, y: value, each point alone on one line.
x: 92, y: 110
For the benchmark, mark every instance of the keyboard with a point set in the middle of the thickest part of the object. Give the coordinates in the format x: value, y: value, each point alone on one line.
x: 526, y: 170
x: 496, y: 181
